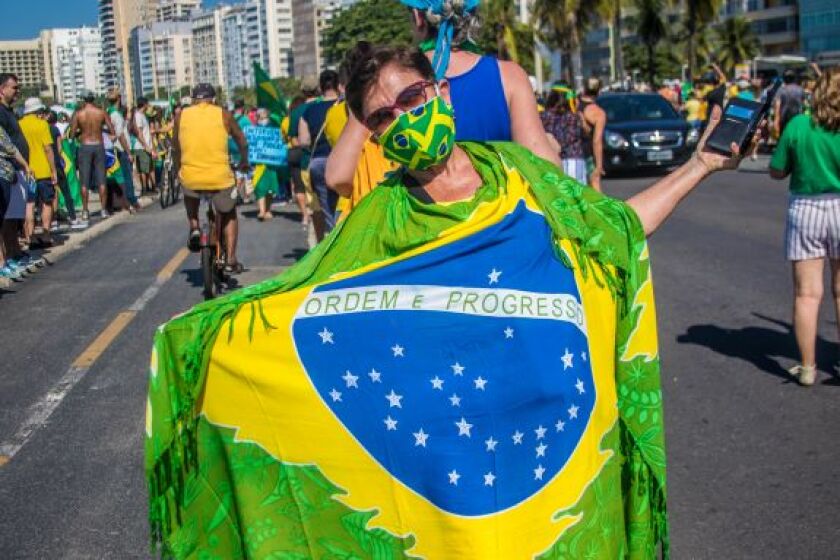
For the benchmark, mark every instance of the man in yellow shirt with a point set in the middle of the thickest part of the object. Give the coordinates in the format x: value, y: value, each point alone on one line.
x: 201, y: 154
x: 42, y: 162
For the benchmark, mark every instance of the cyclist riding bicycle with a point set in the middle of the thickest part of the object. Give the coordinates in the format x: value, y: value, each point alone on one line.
x: 202, y: 158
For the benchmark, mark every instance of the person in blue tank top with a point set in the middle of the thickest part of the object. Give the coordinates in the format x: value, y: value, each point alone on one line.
x: 493, y: 99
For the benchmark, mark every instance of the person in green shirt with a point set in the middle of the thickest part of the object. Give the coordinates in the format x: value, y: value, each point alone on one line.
x: 809, y: 153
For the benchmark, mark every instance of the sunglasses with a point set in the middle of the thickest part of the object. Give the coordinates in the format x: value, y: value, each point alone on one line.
x: 410, y: 98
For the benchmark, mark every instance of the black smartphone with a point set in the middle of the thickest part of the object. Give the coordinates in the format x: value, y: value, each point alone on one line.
x: 740, y: 120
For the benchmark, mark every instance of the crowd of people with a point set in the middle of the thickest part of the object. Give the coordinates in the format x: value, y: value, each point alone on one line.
x: 52, y: 159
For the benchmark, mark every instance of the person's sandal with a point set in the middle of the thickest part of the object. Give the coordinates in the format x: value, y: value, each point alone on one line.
x: 194, y: 241
x: 235, y: 268
x: 806, y: 375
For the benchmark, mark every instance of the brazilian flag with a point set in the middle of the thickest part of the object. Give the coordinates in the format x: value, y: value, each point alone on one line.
x: 69, y: 149
x: 268, y: 96
x: 113, y: 171
x: 473, y: 380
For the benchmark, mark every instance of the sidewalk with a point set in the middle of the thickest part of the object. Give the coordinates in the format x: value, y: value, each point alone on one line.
x: 73, y: 240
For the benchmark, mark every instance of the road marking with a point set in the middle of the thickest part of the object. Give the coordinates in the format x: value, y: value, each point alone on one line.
x: 104, y: 340
x: 41, y: 411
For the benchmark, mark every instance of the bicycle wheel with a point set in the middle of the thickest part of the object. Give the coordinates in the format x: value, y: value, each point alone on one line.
x: 208, y: 272
x: 174, y: 188
x: 163, y: 198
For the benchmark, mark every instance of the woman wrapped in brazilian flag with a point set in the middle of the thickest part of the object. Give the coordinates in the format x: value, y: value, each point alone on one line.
x: 467, y: 367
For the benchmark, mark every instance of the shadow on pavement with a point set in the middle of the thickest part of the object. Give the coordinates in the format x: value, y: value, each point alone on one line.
x: 761, y: 346
x: 296, y: 254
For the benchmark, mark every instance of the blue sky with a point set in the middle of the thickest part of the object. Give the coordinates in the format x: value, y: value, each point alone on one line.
x: 23, y: 19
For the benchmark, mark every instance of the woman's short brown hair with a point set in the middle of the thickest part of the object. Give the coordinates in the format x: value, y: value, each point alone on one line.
x: 365, y: 62
x: 825, y: 110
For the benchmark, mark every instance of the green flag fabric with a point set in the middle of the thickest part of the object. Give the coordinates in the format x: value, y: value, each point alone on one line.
x: 68, y: 154
x: 268, y: 96
x: 475, y: 380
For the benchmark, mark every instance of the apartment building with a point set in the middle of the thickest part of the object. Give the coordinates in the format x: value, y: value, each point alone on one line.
x: 776, y: 22
x: 117, y: 18
x: 312, y: 17
x: 25, y: 59
x: 176, y: 10
x: 73, y: 62
x: 208, y: 46
x: 819, y: 27
x: 161, y: 58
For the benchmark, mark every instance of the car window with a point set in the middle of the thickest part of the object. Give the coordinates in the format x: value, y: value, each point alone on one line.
x: 636, y: 108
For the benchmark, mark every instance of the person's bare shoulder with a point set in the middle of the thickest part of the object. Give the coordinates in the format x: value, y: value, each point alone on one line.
x: 593, y: 113
x: 514, y: 77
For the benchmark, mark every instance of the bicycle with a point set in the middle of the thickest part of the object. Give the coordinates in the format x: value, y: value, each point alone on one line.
x: 170, y: 188
x: 213, y: 251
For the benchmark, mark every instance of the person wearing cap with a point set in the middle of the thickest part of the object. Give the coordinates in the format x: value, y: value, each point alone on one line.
x: 122, y: 145
x: 201, y: 156
x: 44, y: 170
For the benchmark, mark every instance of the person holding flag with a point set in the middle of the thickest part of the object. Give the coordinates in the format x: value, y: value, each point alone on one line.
x: 392, y: 395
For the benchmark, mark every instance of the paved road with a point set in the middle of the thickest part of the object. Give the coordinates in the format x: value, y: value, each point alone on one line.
x: 752, y: 457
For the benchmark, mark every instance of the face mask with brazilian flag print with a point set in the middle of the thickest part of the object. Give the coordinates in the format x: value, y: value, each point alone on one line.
x: 422, y: 137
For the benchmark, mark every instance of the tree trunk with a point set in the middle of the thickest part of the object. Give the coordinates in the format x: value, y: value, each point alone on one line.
x: 501, y: 46
x: 651, y: 65
x: 691, y: 27
x: 616, y: 41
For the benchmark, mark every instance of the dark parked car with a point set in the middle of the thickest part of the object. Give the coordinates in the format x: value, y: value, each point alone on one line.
x: 643, y: 130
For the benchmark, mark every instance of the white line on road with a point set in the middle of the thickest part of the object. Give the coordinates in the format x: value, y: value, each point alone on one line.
x: 41, y: 411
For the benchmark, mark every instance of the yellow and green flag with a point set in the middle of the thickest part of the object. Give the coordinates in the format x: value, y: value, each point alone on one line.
x: 476, y: 380
x: 268, y: 95
x: 69, y: 149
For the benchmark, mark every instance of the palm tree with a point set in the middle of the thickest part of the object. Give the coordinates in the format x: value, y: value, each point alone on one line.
x: 563, y: 23
x: 737, y: 42
x: 698, y: 13
x: 651, y: 31
x: 499, y: 16
x: 610, y: 11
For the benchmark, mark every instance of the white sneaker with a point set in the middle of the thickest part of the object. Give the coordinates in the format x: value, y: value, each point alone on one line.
x: 54, y: 227
x: 103, y: 214
x: 806, y: 375
x: 78, y: 224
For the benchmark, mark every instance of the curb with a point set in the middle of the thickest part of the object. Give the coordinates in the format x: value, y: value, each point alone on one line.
x: 78, y: 240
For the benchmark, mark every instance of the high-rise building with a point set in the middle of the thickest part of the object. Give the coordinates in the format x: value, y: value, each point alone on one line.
x: 819, y: 25
x: 312, y: 17
x: 25, y: 59
x: 161, y: 58
x: 73, y: 62
x: 176, y: 10
x: 278, y: 28
x: 243, y: 43
x: 116, y: 20
x: 775, y: 22
x: 208, y: 46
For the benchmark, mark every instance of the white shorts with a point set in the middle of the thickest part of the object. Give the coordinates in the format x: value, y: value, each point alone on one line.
x: 813, y: 227
x: 576, y: 169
